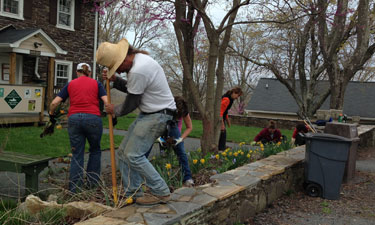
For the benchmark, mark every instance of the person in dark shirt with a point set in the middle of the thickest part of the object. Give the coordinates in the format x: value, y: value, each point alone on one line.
x: 226, y: 103
x: 269, y: 134
x: 297, y: 137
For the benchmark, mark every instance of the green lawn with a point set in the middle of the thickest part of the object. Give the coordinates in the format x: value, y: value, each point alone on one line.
x: 27, y: 140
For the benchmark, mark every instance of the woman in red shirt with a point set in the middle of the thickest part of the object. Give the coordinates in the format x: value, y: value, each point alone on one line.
x: 226, y: 103
x: 84, y: 122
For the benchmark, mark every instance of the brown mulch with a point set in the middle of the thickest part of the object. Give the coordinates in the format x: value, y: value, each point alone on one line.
x: 356, y: 204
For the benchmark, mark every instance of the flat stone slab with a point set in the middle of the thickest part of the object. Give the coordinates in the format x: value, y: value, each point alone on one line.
x: 184, y: 207
x: 246, y: 181
x: 204, y: 199
x: 185, y: 191
x: 158, y: 219
x: 161, y: 209
x: 222, y: 192
x: 136, y: 218
x: 100, y: 220
x: 122, y: 213
x: 222, y: 176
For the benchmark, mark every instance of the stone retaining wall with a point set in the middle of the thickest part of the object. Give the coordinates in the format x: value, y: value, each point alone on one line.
x: 256, y: 121
x: 366, y: 134
x: 234, y: 196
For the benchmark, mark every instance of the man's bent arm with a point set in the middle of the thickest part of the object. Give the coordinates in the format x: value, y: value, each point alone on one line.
x: 120, y: 84
x: 130, y: 104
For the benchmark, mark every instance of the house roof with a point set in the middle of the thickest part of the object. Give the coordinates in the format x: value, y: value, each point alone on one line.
x: 10, y: 37
x: 271, y: 95
x: 9, y: 34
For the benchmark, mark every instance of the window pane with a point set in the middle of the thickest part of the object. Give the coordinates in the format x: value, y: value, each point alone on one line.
x: 65, y: 12
x: 11, y: 6
x: 64, y: 19
x: 60, y: 82
x: 62, y: 71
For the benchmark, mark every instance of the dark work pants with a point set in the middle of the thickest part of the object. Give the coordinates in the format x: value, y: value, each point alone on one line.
x: 223, y: 140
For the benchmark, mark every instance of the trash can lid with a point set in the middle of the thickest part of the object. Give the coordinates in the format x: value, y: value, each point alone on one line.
x: 327, y: 137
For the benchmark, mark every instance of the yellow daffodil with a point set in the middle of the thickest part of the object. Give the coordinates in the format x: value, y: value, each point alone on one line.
x: 262, y: 149
x: 235, y: 154
x: 226, y: 150
x: 241, y: 153
x: 129, y: 200
x: 251, y: 151
x: 202, y: 161
x: 168, y: 166
x: 226, y: 158
x: 230, y: 153
x: 169, y: 173
x: 248, y: 155
x: 224, y: 154
x: 217, y: 156
x: 37, y: 94
x: 195, y: 161
x: 261, y: 145
x: 242, y: 143
x: 59, y: 127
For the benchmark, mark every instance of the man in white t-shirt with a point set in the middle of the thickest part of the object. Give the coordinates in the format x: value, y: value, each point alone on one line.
x: 148, y: 90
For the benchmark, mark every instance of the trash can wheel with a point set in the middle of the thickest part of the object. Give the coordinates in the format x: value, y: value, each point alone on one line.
x: 314, y: 190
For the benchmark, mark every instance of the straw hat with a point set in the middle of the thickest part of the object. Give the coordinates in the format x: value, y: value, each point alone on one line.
x: 112, y: 55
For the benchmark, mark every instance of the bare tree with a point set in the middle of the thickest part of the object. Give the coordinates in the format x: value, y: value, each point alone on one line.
x: 290, y: 52
x: 121, y: 19
x: 343, y: 22
x: 238, y: 70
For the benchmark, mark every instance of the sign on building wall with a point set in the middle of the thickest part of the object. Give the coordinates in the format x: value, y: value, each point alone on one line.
x: 21, y: 99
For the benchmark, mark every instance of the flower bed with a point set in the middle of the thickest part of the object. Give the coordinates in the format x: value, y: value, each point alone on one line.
x: 203, y: 166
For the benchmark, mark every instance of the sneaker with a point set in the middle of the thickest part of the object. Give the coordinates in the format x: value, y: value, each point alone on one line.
x: 189, y: 183
x: 149, y: 199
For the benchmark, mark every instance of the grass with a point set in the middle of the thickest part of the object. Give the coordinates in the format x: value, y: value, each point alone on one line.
x: 27, y: 140
x: 235, y: 133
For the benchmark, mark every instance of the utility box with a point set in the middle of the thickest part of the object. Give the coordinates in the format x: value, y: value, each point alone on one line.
x: 348, y: 131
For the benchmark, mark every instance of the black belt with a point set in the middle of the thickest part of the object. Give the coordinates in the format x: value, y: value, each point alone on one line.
x: 163, y: 111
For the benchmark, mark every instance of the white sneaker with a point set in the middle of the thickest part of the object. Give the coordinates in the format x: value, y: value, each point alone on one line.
x: 189, y: 183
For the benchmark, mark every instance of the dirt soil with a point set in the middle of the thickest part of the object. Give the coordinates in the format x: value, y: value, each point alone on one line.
x: 356, y: 204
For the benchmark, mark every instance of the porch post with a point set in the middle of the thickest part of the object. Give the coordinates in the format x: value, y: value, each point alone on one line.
x: 12, y: 69
x: 51, y: 81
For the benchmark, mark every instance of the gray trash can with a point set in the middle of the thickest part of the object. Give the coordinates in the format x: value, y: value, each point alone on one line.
x: 325, y: 159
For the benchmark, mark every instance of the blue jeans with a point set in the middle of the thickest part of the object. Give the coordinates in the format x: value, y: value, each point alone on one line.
x: 82, y: 126
x: 175, y: 133
x: 135, y: 168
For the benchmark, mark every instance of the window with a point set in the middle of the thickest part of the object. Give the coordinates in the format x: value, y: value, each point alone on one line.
x: 12, y: 8
x: 63, y: 72
x: 65, y: 14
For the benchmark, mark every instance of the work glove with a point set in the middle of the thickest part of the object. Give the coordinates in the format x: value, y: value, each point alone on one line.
x: 114, y: 121
x: 52, y: 118
x: 178, y: 141
x: 162, y: 141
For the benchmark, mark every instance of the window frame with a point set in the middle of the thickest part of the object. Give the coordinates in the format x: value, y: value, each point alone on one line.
x: 12, y: 15
x: 70, y: 70
x: 72, y: 13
